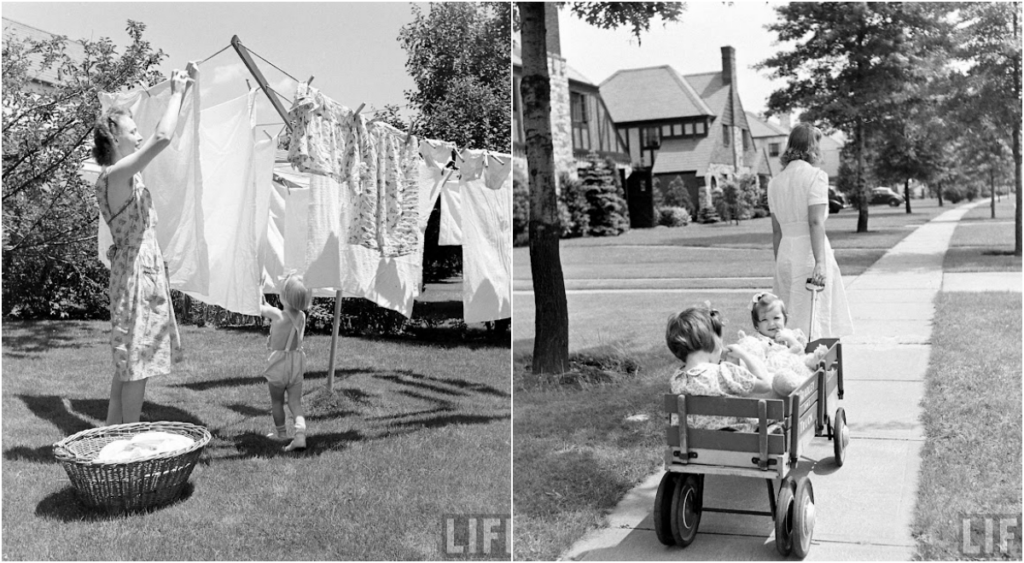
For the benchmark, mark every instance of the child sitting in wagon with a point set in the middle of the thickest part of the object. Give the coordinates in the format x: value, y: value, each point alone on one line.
x: 780, y: 349
x: 695, y: 337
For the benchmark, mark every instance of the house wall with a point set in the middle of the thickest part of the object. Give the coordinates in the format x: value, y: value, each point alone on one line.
x: 599, y: 134
x: 561, y: 116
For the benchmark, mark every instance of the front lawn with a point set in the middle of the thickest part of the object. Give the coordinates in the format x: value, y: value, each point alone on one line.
x: 414, y: 431
x: 971, y: 460
x: 983, y: 244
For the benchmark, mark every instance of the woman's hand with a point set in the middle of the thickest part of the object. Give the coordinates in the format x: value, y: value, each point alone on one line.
x: 818, y: 274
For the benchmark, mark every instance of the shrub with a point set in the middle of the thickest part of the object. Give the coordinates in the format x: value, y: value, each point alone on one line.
x: 520, y: 207
x: 609, y: 215
x: 953, y: 194
x: 677, y: 195
x: 673, y: 216
x: 573, y: 200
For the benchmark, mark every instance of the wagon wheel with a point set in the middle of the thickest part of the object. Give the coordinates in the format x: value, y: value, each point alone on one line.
x: 803, y: 517
x: 686, y: 505
x: 663, y: 508
x: 840, y: 437
x: 784, y: 517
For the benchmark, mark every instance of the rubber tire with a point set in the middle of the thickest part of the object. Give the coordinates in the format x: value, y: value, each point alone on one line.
x: 783, y: 518
x: 686, y: 504
x: 663, y: 508
x: 894, y: 203
x: 803, y: 523
x: 838, y: 443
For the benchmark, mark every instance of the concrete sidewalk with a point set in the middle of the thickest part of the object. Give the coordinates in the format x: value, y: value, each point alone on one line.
x: 864, y: 509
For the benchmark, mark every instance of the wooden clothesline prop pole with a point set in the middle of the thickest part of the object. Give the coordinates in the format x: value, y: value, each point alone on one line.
x: 243, y: 53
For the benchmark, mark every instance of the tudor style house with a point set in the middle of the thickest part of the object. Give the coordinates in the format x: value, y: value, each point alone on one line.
x: 580, y: 122
x: 690, y: 127
x: 43, y: 80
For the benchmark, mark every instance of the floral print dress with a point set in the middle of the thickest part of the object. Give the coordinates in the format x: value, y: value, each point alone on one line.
x: 716, y: 380
x: 144, y: 334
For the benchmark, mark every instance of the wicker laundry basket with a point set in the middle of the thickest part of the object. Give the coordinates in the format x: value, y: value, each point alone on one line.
x: 125, y: 486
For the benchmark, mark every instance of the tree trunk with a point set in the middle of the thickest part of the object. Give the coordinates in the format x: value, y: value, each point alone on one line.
x: 862, y: 200
x: 1016, y: 134
x: 940, y: 194
x: 551, y: 322
x: 906, y: 192
x: 992, y: 190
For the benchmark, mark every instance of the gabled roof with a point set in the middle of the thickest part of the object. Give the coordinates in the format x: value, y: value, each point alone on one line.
x: 74, y: 49
x: 684, y: 155
x: 760, y: 128
x: 722, y: 98
x: 651, y: 93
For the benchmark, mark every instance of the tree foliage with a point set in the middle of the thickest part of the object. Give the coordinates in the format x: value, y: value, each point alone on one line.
x: 459, y: 56
x: 854, y: 66
x: 49, y: 212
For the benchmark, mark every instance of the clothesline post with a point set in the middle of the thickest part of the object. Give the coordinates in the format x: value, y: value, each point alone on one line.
x: 243, y: 53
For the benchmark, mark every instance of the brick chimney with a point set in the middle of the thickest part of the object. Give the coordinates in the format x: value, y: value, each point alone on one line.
x: 554, y: 38
x: 729, y: 65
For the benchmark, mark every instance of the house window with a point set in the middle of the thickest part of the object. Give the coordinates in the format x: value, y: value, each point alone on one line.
x: 700, y: 128
x: 580, y: 128
x: 726, y: 141
x: 746, y: 141
x: 649, y: 138
x: 677, y: 130
x: 773, y: 149
x: 578, y: 103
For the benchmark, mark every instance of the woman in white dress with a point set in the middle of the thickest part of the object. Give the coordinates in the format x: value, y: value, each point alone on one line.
x: 798, y: 201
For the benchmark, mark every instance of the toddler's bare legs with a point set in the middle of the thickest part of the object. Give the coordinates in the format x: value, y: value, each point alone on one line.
x: 277, y: 411
x: 126, y: 398
x: 295, y: 405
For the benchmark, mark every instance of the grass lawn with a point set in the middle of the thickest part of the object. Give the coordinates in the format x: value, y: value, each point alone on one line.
x: 971, y: 461
x: 983, y: 244
x: 415, y: 431
x: 743, y: 250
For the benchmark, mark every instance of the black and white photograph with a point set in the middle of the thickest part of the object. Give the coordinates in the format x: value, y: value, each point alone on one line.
x: 767, y: 281
x: 256, y: 281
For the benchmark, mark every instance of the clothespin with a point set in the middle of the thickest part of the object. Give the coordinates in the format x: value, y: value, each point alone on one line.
x: 268, y: 135
x: 359, y: 109
x: 310, y: 81
x: 500, y: 161
x: 247, y: 85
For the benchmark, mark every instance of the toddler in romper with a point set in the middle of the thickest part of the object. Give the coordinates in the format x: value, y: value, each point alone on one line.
x: 780, y: 349
x: 695, y: 337
x: 287, y: 361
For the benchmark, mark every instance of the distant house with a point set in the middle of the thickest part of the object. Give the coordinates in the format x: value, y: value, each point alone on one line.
x: 690, y: 127
x: 770, y: 138
x: 44, y: 80
x: 580, y: 123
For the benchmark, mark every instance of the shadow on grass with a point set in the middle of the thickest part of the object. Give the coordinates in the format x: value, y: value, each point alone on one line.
x: 437, y: 384
x: 72, y: 416
x: 64, y: 505
x: 32, y: 338
x: 251, y: 444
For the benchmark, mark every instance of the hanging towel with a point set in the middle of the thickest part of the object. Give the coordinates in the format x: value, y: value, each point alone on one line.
x: 486, y: 192
x: 450, y: 233
x: 434, y: 172
x: 237, y: 171
x: 175, y: 182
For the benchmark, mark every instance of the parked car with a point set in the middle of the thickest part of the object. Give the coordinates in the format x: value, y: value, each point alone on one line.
x: 836, y: 201
x: 885, y: 195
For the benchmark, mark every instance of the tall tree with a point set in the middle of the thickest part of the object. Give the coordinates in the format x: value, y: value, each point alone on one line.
x: 990, y: 42
x: 850, y: 67
x: 49, y: 212
x: 551, y: 336
x: 459, y: 55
